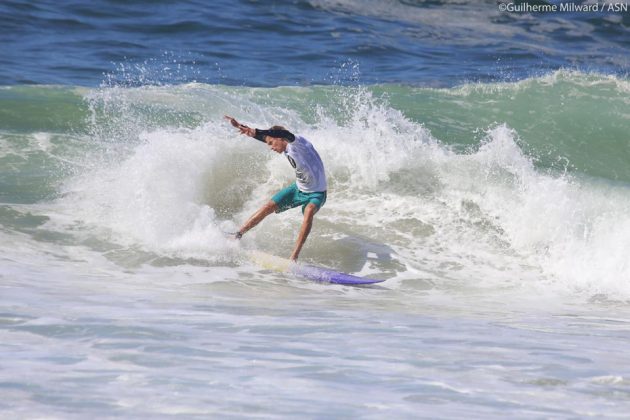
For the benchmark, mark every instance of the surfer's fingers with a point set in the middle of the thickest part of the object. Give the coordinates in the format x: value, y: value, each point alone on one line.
x: 233, y: 121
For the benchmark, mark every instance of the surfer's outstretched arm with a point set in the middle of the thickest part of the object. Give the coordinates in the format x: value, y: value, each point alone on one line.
x: 307, y: 223
x: 260, y: 135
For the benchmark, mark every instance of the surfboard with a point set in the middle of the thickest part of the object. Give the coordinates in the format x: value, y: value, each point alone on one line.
x: 310, y: 272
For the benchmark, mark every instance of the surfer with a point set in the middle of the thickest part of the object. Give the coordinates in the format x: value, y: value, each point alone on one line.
x: 309, y: 188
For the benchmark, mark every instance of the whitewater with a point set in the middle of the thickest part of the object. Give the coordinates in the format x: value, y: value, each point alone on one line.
x: 498, y: 213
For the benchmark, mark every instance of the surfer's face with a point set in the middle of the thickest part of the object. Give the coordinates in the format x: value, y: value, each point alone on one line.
x: 276, y: 144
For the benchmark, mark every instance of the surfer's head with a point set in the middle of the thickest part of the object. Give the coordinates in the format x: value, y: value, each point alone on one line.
x: 278, y: 144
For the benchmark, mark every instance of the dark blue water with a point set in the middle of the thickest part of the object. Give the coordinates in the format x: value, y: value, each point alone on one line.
x: 299, y: 42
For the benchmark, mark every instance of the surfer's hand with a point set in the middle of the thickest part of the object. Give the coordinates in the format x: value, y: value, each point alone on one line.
x: 242, y: 128
x: 251, y: 132
x: 232, y: 121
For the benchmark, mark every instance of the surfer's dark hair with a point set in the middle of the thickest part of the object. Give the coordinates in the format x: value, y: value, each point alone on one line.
x: 277, y: 131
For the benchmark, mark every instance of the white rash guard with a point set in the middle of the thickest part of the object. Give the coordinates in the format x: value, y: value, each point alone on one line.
x: 309, y: 168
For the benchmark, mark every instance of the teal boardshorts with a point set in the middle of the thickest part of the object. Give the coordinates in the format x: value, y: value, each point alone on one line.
x: 291, y: 196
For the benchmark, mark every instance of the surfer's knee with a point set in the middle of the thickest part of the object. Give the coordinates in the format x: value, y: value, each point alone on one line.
x: 270, y: 207
x: 310, y: 210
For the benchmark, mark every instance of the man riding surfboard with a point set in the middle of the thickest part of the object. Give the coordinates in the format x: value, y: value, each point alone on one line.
x: 309, y: 188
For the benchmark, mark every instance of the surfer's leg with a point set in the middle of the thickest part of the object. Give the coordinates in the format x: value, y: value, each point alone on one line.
x: 257, y: 217
x: 307, y: 223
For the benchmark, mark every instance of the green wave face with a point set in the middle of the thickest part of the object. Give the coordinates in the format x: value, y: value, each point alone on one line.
x: 565, y: 119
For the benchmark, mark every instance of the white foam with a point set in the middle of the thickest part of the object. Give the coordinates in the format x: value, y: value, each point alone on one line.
x: 154, y: 197
x: 574, y: 229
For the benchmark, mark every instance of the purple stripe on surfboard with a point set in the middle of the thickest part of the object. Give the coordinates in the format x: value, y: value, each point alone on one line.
x: 329, y: 276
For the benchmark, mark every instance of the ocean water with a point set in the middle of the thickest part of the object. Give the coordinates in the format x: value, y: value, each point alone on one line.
x: 477, y: 160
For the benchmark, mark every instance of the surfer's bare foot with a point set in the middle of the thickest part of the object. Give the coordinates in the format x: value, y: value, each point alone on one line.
x: 234, y: 235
